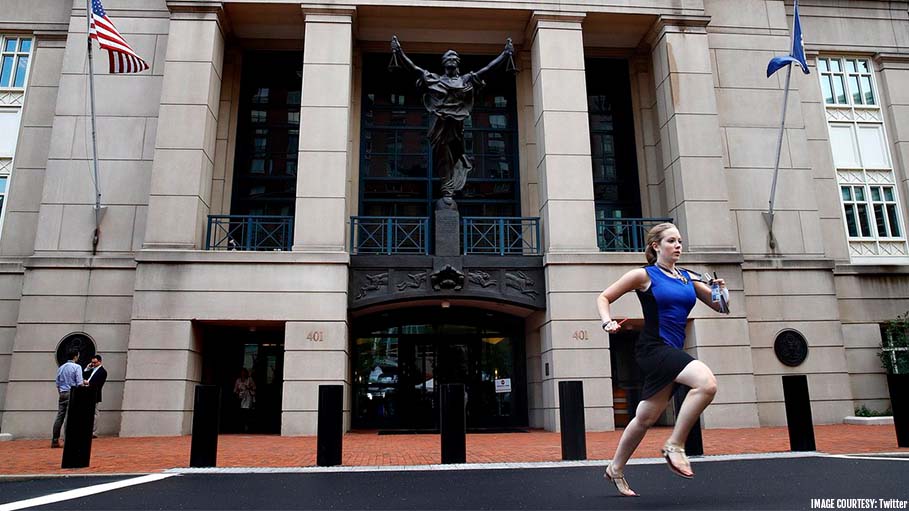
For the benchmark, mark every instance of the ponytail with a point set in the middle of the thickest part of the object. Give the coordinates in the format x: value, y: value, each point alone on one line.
x: 655, y: 235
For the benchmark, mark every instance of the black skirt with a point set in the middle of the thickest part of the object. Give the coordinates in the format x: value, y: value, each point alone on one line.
x: 660, y: 363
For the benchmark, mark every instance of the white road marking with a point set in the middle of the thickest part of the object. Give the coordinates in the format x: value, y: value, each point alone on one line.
x: 82, y: 492
x: 476, y: 466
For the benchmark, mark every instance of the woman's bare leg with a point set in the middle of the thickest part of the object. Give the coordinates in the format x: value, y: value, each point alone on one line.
x: 703, y: 389
x: 647, y: 413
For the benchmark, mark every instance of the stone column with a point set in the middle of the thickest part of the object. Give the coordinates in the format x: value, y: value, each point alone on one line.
x: 562, y: 127
x: 894, y: 99
x: 690, y: 138
x: 321, y: 205
x: 180, y: 193
x: 567, y: 348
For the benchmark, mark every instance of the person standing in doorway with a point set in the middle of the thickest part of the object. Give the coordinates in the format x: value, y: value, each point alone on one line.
x: 245, y: 390
x: 95, y: 376
x: 69, y: 375
x: 667, y: 294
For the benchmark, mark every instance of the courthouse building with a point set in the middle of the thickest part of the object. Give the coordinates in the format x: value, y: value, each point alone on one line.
x: 269, y: 203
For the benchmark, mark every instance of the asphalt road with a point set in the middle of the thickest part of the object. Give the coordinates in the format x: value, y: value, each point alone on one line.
x: 787, y: 483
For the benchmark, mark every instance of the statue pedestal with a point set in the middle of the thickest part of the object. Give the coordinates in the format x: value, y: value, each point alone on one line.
x: 447, y: 229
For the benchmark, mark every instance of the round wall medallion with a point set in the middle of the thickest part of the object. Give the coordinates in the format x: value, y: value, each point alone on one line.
x: 790, y: 348
x: 79, y: 342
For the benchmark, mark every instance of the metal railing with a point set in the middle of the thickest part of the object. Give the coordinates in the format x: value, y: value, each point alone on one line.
x: 249, y: 232
x: 625, y: 234
x: 501, y: 235
x: 389, y: 235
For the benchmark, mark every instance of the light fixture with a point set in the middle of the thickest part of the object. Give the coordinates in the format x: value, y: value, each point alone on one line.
x: 446, y: 304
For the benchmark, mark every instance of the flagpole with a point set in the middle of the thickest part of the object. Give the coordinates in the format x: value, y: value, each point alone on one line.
x: 91, y: 88
x: 779, y: 149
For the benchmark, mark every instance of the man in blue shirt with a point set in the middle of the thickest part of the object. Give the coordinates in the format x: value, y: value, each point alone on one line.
x: 68, y: 376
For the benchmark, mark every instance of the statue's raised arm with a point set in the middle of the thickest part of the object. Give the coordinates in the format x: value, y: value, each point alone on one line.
x: 398, y: 56
x: 507, y: 56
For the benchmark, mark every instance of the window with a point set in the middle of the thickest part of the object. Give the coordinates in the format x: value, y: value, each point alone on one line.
x: 616, y: 191
x: 14, y: 57
x: 858, y: 139
x: 396, y: 177
x: 268, y: 135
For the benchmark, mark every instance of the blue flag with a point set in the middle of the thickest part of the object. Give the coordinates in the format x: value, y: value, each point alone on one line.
x: 797, y: 55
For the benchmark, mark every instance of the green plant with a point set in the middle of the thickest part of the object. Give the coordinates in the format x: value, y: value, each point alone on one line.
x: 864, y: 411
x: 895, y: 335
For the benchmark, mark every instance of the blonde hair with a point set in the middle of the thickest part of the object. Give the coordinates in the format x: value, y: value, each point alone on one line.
x: 655, y: 235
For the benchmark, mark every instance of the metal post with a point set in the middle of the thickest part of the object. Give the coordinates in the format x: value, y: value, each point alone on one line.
x: 798, y: 412
x: 453, y: 424
x: 80, y: 415
x: 206, y: 421
x: 330, y: 427
x: 388, y: 227
x: 571, y: 420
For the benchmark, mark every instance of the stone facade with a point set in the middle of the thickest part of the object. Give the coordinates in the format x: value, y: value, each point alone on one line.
x: 705, y: 120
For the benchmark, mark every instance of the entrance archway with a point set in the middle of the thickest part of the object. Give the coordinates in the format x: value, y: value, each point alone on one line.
x: 401, y: 359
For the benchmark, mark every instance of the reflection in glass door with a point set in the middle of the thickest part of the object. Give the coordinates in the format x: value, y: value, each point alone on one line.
x: 399, y: 370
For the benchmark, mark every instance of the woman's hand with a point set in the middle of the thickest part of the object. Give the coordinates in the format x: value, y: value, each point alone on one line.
x: 509, y: 47
x: 611, y: 326
x: 395, y: 45
x: 721, y: 282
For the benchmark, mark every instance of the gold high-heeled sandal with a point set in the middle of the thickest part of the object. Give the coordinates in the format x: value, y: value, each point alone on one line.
x: 675, y: 449
x: 620, y: 483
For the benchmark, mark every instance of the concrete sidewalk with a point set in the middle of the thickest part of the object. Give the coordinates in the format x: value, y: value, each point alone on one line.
x: 113, y: 455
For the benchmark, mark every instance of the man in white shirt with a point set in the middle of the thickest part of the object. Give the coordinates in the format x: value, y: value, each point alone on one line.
x: 69, y: 375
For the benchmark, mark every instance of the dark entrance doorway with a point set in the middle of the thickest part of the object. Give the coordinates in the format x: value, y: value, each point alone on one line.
x: 627, y: 380
x: 401, y: 359
x: 259, y: 349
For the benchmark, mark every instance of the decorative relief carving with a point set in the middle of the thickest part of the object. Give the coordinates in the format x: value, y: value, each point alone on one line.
x: 373, y: 283
x: 868, y: 115
x: 6, y: 165
x: 447, y: 278
x: 521, y: 282
x: 414, y: 280
x: 481, y: 278
x: 10, y: 98
x: 893, y: 248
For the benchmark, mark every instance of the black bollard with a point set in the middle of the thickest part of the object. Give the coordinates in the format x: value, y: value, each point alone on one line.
x: 331, y: 425
x: 571, y: 420
x: 206, y: 417
x: 798, y: 412
x: 694, y: 443
x: 899, y: 403
x: 453, y: 424
x: 80, y: 416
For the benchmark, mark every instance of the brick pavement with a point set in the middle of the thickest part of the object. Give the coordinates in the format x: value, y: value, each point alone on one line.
x: 154, y: 454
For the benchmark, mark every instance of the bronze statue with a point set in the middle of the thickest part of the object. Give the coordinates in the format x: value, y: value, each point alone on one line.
x: 449, y: 98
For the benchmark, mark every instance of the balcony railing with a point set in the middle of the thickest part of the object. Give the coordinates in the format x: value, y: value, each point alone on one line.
x: 389, y: 235
x: 501, y: 235
x: 249, y: 232
x: 625, y: 234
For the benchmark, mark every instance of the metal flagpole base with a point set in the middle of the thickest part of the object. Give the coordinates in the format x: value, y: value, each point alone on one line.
x: 768, y: 218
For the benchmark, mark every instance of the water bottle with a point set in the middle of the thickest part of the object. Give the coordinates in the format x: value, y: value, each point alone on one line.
x: 715, y: 293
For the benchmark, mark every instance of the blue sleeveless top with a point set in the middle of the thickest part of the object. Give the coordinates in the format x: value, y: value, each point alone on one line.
x: 666, y: 305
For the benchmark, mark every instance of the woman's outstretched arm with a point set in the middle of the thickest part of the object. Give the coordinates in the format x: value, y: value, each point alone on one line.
x: 635, y: 279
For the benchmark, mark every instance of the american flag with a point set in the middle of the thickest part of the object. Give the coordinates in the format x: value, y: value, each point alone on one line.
x: 122, y: 58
